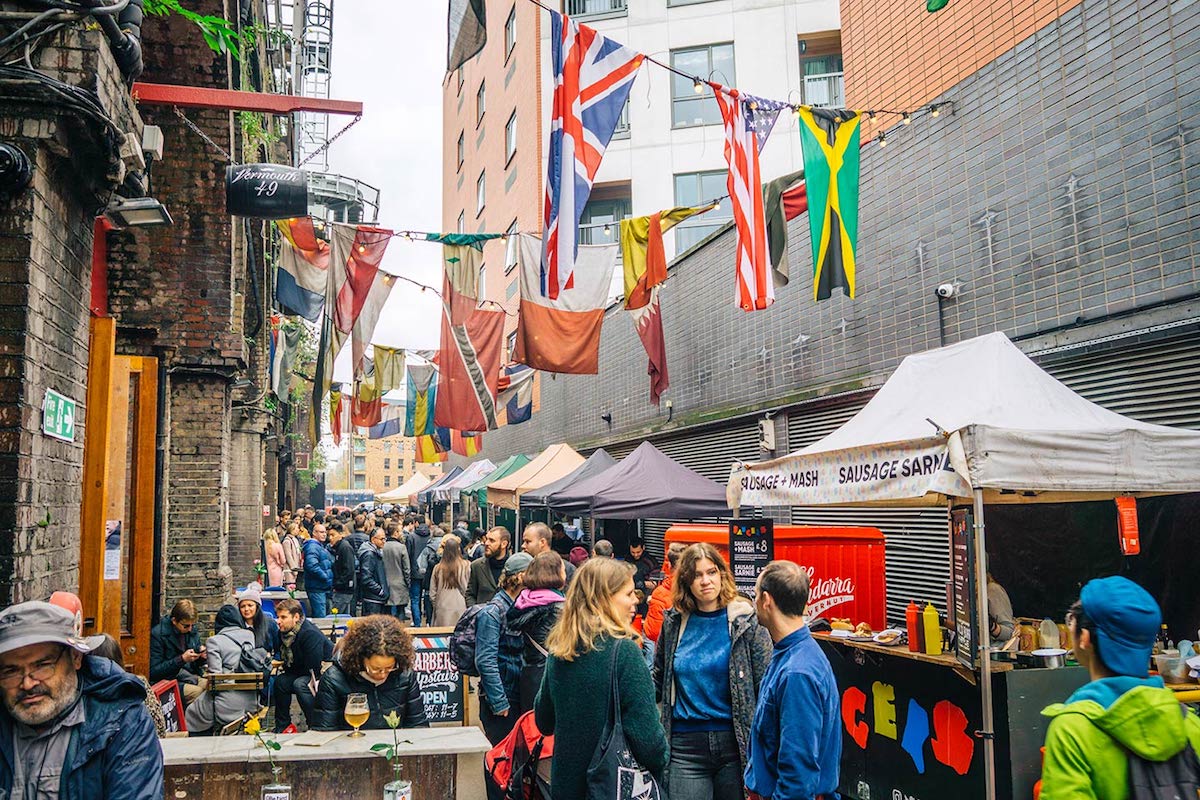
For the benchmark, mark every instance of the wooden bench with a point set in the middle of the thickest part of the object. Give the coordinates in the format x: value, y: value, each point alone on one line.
x: 235, y: 682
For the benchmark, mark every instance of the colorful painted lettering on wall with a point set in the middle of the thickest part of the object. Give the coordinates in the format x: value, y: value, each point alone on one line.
x: 949, y: 740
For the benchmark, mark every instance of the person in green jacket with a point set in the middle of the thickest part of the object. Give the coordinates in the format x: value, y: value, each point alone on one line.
x: 573, y: 702
x: 1113, y: 625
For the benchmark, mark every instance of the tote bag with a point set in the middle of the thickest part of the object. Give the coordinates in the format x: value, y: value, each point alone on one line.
x: 614, y: 774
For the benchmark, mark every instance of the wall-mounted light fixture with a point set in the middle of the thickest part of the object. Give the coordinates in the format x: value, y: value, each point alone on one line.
x: 139, y: 212
x: 607, y: 417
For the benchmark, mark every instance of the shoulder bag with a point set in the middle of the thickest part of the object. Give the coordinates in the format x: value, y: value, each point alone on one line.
x: 614, y: 774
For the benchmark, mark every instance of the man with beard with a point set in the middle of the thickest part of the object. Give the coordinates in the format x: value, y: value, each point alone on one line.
x: 485, y: 572
x: 72, y: 726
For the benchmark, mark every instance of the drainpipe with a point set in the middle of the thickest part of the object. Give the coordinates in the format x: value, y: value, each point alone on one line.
x: 124, y: 35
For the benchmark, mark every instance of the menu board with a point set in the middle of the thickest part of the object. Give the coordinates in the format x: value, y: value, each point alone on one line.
x: 751, y: 547
x: 167, y: 693
x: 962, y: 584
x: 443, y: 687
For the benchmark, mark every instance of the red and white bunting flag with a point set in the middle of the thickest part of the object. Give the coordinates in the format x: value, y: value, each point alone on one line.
x: 755, y: 288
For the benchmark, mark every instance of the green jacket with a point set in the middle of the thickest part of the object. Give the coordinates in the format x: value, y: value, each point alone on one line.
x: 1084, y: 756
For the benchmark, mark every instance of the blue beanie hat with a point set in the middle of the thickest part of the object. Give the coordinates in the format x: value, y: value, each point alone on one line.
x: 1127, y: 619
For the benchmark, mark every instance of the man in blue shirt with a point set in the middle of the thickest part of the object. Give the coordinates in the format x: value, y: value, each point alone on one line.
x: 795, y: 744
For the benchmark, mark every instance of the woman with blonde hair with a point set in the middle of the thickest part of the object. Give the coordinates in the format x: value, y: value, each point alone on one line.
x: 276, y: 563
x: 293, y: 571
x: 448, y: 585
x: 591, y: 647
x: 711, y: 658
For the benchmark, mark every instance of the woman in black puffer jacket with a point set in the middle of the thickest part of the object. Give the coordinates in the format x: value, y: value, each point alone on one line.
x: 375, y: 658
x: 533, y: 615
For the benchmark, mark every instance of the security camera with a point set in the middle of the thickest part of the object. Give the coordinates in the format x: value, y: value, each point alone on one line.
x: 947, y: 290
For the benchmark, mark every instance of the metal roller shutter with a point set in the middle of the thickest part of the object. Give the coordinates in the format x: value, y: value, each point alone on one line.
x: 805, y: 426
x: 1155, y: 382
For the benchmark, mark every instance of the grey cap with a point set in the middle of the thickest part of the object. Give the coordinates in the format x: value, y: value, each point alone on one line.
x: 36, y: 622
x: 517, y: 562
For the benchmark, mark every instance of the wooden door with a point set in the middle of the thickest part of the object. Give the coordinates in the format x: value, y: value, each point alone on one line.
x: 117, y: 542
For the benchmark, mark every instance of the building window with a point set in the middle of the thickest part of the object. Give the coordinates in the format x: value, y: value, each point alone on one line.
x: 596, y: 8
x: 387, y: 463
x: 387, y: 481
x: 510, y: 32
x: 462, y: 222
x: 823, y: 81
x: 510, y: 263
x: 461, y: 80
x: 360, y: 445
x: 480, y: 102
x: 510, y: 138
x: 360, y: 463
x: 697, y: 188
x: 360, y: 481
x: 480, y: 193
x: 672, y: 3
x: 510, y: 345
x: 600, y: 222
x: 622, y: 129
x: 711, y: 62
x: 462, y: 148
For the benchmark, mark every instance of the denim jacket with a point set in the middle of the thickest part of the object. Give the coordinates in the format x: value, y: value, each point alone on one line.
x: 498, y: 654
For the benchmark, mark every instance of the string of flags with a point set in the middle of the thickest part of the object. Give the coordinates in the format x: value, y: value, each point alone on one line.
x: 330, y: 274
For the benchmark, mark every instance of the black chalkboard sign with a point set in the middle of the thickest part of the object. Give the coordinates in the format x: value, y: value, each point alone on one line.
x: 266, y: 191
x: 751, y: 547
x: 962, y: 585
x: 443, y: 687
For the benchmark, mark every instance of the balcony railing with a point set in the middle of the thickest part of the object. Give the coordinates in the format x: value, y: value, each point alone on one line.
x: 596, y: 8
x: 826, y: 89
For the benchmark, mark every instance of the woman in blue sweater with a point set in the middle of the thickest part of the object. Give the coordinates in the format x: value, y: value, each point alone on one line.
x: 711, y: 658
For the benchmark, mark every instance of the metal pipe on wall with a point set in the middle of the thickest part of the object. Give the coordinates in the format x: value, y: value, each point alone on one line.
x: 988, y: 733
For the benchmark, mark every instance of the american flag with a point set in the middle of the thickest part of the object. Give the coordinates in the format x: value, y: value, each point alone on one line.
x: 748, y: 122
x: 592, y: 78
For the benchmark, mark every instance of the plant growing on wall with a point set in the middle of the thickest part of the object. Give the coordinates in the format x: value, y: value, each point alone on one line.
x: 219, y: 33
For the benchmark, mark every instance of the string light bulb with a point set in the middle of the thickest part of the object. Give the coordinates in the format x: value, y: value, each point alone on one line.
x: 717, y: 205
x: 882, y: 139
x: 753, y: 106
x: 796, y: 111
x: 871, y: 115
x: 362, y: 248
x: 906, y: 118
x: 934, y: 110
x: 697, y: 85
x: 607, y: 229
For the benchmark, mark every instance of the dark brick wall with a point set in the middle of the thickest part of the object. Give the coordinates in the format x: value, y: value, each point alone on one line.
x: 45, y: 267
x: 1103, y: 100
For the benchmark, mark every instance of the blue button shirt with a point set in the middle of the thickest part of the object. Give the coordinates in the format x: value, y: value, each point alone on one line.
x: 795, y: 745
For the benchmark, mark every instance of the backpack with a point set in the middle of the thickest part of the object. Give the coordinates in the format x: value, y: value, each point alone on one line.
x: 254, y: 659
x: 462, y: 641
x: 1177, y: 778
x: 511, y: 767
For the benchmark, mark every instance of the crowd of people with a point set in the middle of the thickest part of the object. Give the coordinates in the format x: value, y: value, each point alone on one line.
x: 717, y: 696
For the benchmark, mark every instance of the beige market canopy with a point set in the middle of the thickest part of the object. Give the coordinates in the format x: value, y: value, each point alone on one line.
x: 404, y: 491
x: 553, y: 463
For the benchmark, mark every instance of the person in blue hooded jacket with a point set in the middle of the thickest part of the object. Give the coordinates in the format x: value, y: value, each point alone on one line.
x: 318, y: 571
x: 72, y: 726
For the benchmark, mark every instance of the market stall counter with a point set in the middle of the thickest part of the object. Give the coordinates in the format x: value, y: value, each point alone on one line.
x: 330, y: 766
x: 909, y: 721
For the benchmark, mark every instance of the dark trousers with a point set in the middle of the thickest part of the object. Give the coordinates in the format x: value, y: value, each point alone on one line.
x: 399, y: 612
x: 371, y: 607
x: 704, y: 766
x: 318, y: 603
x: 495, y: 727
x: 415, y: 592
x: 343, y: 602
x: 284, y: 687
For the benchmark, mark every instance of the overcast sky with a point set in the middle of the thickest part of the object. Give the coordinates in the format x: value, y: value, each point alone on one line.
x: 392, y: 56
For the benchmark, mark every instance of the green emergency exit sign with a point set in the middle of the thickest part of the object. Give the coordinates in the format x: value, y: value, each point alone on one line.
x: 58, y: 416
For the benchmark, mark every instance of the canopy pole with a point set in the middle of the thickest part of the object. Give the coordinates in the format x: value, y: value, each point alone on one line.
x: 985, y: 652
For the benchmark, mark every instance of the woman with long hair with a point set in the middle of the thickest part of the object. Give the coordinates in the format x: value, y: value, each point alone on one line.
x: 537, y: 608
x: 711, y: 658
x: 591, y: 646
x: 374, y: 658
x: 448, y: 586
x: 276, y: 563
x: 293, y: 557
x: 264, y: 629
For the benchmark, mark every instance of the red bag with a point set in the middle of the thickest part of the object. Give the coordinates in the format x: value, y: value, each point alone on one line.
x: 512, y: 766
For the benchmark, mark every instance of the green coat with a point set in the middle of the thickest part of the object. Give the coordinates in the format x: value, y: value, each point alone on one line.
x: 573, y: 705
x: 1084, y: 759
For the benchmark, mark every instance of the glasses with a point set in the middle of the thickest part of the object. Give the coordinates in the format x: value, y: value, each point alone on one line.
x: 42, y: 670
x: 387, y: 671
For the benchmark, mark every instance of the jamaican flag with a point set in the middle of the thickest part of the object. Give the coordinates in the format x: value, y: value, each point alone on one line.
x: 829, y: 138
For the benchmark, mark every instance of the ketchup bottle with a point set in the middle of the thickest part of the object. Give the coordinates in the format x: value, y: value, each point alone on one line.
x: 912, y: 621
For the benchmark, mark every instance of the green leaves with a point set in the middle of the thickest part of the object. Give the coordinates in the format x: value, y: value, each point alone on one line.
x: 219, y: 34
x: 272, y: 744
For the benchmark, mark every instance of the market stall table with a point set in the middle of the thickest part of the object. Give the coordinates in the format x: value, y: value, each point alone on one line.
x: 236, y: 767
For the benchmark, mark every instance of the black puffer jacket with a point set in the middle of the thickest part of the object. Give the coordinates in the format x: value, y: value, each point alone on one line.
x: 399, y: 693
x: 534, y: 622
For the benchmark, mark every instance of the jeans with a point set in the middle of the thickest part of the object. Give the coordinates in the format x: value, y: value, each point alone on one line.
x: 415, y: 595
x: 318, y: 603
x: 343, y: 602
x: 283, y: 688
x: 704, y: 766
x: 399, y: 612
x: 371, y: 607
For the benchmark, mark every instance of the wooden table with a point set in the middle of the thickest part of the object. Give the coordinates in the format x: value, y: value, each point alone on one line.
x: 948, y: 660
x: 236, y: 767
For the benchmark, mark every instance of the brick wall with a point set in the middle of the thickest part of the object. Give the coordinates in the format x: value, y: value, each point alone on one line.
x: 1027, y: 123
x: 45, y: 265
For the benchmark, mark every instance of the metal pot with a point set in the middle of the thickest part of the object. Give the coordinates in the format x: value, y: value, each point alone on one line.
x: 1050, y: 657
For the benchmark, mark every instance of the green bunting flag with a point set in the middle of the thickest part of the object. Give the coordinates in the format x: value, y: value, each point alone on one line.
x: 829, y: 138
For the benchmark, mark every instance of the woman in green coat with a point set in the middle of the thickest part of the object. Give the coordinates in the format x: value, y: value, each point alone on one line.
x: 577, y: 687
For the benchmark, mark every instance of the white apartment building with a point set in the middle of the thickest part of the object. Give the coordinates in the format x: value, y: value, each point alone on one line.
x: 671, y: 151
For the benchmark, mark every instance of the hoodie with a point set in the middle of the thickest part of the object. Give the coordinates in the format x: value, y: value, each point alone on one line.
x: 416, y: 542
x: 114, y: 752
x: 532, y: 616
x: 1089, y: 734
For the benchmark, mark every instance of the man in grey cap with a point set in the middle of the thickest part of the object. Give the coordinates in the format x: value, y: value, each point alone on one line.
x: 72, y: 726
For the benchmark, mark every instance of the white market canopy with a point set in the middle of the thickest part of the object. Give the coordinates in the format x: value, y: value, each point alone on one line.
x: 448, y: 491
x: 553, y: 463
x: 975, y: 415
x: 405, y: 490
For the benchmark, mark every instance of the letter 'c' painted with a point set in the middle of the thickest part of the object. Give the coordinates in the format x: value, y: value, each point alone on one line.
x: 854, y: 705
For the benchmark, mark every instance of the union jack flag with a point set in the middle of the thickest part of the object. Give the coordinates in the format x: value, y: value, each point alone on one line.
x: 592, y: 78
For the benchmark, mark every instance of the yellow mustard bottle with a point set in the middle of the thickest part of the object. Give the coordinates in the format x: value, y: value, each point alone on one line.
x: 933, y: 630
